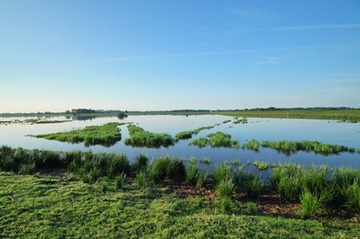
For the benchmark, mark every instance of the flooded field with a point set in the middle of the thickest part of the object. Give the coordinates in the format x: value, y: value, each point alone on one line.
x: 17, y: 134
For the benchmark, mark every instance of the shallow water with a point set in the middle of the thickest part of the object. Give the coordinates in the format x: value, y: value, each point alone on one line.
x: 331, y: 132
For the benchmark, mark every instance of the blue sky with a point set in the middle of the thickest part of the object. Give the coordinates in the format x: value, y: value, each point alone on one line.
x: 167, y: 54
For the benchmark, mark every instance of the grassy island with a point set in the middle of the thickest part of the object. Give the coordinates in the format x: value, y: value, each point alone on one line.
x: 141, y: 138
x: 107, y: 135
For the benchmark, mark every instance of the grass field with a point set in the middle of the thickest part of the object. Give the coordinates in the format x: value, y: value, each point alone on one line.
x: 348, y: 115
x: 61, y: 206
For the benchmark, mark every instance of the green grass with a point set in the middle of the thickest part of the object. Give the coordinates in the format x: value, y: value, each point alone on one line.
x: 216, y: 140
x: 261, y: 165
x: 189, y: 134
x: 64, y: 207
x: 252, y: 145
x: 347, y: 115
x: 141, y: 138
x: 307, y: 146
x: 107, y: 135
x: 241, y: 121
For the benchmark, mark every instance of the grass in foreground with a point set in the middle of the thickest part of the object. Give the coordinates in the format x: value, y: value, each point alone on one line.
x: 42, y: 206
x: 107, y: 135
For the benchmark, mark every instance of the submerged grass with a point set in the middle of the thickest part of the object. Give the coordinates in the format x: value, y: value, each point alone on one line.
x: 107, y: 135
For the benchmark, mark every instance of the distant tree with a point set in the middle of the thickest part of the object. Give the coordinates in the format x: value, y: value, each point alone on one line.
x: 121, y: 115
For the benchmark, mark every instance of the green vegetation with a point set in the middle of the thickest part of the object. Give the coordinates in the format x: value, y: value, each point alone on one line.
x: 184, y: 135
x: 261, y: 165
x: 318, y: 188
x: 226, y: 121
x: 141, y: 138
x: 342, y: 114
x: 188, y: 134
x: 252, y: 145
x: 42, y: 206
x: 289, y: 147
x: 107, y: 135
x: 216, y: 140
x: 334, y: 190
x: 241, y: 121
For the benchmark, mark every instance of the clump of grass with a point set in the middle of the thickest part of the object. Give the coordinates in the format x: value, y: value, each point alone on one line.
x: 241, y: 121
x: 200, y: 142
x: 261, y: 165
x: 141, y: 138
x: 184, y: 135
x: 252, y: 145
x: 165, y: 168
x: 309, y: 205
x: 225, y: 188
x: 286, y: 181
x: 192, y: 160
x: 358, y: 151
x: 216, y: 140
x: 203, y: 180
x: 192, y: 174
x: 225, y: 204
x: 251, y: 184
x: 220, y: 139
x: 107, y: 135
x: 289, y: 147
x: 223, y: 172
x: 140, y: 164
x: 120, y: 181
x: 250, y: 208
x: 352, y: 195
x: 141, y: 179
x: 206, y: 161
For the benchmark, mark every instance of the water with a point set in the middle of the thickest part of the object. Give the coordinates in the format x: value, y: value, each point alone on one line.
x: 331, y: 132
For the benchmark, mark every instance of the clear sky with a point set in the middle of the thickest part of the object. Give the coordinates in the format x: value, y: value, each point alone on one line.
x: 178, y: 54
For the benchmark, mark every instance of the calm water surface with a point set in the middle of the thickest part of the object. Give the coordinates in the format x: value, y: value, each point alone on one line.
x: 332, y: 132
